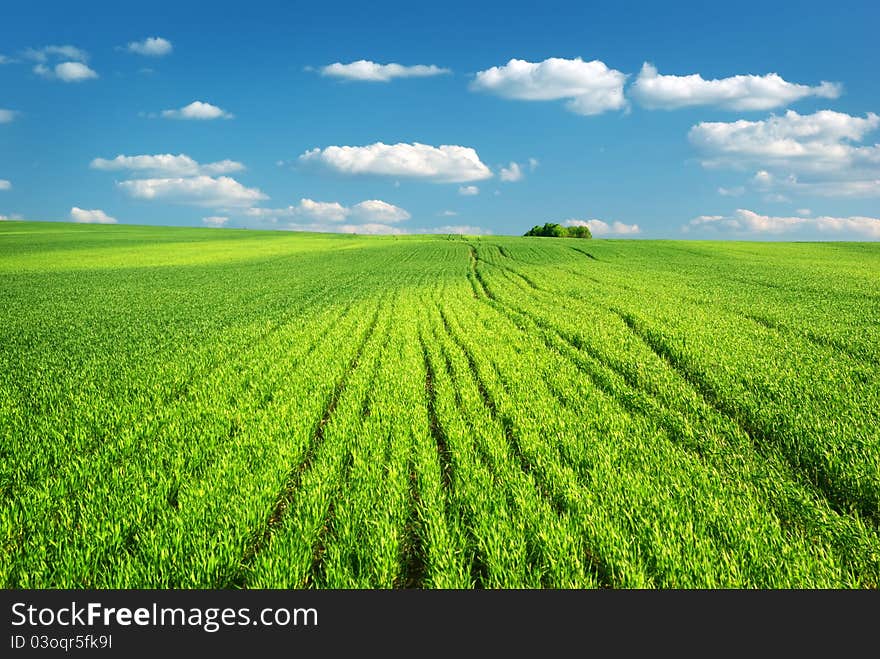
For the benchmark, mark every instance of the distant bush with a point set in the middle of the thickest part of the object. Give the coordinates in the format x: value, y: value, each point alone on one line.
x: 553, y: 230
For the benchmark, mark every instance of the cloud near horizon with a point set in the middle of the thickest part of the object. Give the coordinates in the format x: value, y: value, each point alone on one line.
x: 589, y: 88
x: 441, y: 164
x: 212, y: 192
x: 371, y: 211
x: 95, y: 216
x: 814, y: 154
x: 744, y: 221
x: 602, y: 228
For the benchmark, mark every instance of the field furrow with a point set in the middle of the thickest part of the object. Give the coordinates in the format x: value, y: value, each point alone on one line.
x: 199, y: 409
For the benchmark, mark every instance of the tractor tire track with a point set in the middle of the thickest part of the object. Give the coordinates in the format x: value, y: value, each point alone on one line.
x: 479, y: 564
x: 821, y: 482
x: 534, y: 476
x: 287, y: 494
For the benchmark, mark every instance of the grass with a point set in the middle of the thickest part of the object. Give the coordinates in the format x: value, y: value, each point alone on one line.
x: 185, y: 408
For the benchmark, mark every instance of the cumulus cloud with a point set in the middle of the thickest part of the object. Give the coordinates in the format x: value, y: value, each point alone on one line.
x: 820, y: 141
x: 741, y: 92
x: 151, y: 47
x: 217, y: 192
x: 371, y: 211
x: 5, y: 185
x: 365, y: 70
x: 166, y: 164
x: 215, y: 220
x: 810, y: 154
x: 468, y: 190
x: 6, y: 116
x: 56, y: 52
x: 440, y: 164
x: 66, y: 72
x: 513, y: 172
x: 371, y: 228
x: 589, y: 88
x: 748, y: 222
x: 375, y: 210
x: 198, y: 110
x: 602, y: 228
x: 96, y: 216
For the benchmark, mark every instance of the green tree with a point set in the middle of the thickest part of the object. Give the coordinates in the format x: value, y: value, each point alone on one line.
x: 553, y: 230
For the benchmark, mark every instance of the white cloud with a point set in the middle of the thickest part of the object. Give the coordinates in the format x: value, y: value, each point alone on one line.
x: 371, y: 228
x: 58, y: 52
x: 6, y: 116
x: 74, y: 72
x: 800, y: 154
x: 820, y: 141
x: 748, y: 222
x: 5, y: 185
x: 95, y: 216
x: 166, y: 164
x: 365, y: 70
x: 306, y: 208
x: 513, y: 172
x: 804, y: 212
x: 533, y: 164
x: 442, y: 164
x: 198, y: 110
x: 740, y: 92
x: 375, y: 210
x: 371, y: 211
x: 602, y: 228
x: 589, y: 87
x: 735, y: 191
x: 151, y: 47
x: 66, y: 72
x: 447, y: 213
x: 215, y: 220
x: 321, y: 210
x: 865, y: 188
x: 219, y: 192
x: 764, y: 180
x: 468, y: 190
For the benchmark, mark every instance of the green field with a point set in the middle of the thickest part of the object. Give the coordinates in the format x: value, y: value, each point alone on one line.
x: 188, y: 408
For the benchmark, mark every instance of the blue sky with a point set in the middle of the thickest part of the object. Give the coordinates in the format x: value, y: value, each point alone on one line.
x: 233, y: 114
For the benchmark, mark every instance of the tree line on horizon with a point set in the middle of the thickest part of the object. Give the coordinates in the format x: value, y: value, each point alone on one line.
x: 553, y: 230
